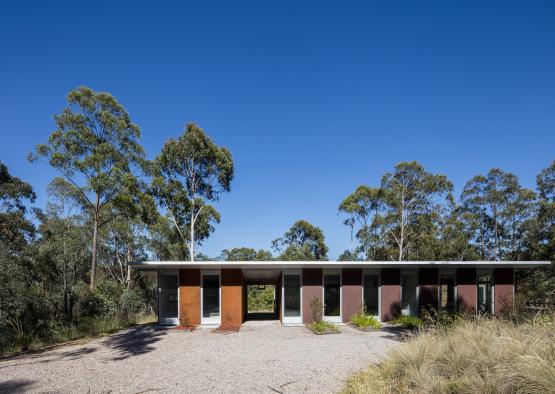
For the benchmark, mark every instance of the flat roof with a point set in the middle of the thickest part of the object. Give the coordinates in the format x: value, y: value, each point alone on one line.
x: 272, y: 264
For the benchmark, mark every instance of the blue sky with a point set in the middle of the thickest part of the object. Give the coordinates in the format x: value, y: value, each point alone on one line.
x: 312, y: 98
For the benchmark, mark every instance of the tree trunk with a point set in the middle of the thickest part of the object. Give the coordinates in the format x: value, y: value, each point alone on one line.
x: 94, y: 245
x: 192, y: 247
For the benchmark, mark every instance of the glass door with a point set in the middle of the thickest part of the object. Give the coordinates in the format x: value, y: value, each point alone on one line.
x: 168, y: 298
x: 409, y: 294
x: 292, y: 299
x: 371, y: 294
x: 210, y: 298
x: 332, y: 296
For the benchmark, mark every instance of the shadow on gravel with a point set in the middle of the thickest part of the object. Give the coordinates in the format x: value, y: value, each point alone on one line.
x: 15, y: 386
x: 135, y: 341
x: 397, y: 333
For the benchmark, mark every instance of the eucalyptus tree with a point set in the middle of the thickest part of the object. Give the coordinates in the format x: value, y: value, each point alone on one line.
x: 96, y: 149
x: 303, y: 241
x: 411, y: 194
x: 16, y: 233
x: 364, y: 207
x: 497, y: 209
x: 190, y: 171
x: 245, y: 254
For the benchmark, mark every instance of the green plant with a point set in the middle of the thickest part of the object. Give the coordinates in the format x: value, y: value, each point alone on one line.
x: 364, y: 320
x: 323, y: 326
x: 408, y: 321
x: 317, y: 309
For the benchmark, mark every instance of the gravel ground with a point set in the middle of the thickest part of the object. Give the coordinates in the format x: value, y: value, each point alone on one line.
x: 263, y: 357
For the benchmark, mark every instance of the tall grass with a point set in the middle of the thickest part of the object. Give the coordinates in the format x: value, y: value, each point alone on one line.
x: 480, y: 356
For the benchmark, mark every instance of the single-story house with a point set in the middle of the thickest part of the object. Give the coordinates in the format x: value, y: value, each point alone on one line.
x: 215, y: 292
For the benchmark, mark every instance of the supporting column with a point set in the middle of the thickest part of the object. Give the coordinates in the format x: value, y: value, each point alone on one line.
x: 312, y: 288
x: 391, y: 293
x: 466, y: 290
x: 428, y: 284
x: 232, y: 297
x: 189, y: 297
x: 504, y: 290
x: 352, y: 292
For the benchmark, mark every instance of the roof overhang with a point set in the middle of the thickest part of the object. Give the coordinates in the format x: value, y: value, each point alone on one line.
x: 275, y: 265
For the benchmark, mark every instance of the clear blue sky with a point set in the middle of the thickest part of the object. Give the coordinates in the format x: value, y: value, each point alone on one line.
x: 312, y: 99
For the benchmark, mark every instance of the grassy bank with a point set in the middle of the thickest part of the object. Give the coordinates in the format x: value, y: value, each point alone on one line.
x: 482, y: 356
x: 88, y: 327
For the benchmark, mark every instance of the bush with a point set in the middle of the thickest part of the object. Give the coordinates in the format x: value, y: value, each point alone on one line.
x: 364, y: 320
x: 478, y: 356
x: 323, y: 326
x: 408, y: 321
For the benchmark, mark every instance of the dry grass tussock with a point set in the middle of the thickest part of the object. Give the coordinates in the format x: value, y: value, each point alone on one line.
x: 481, y: 356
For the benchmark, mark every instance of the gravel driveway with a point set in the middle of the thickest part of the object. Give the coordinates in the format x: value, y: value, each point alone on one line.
x: 263, y: 357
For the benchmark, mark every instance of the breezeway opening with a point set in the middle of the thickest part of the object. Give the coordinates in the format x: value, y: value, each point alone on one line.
x: 262, y: 294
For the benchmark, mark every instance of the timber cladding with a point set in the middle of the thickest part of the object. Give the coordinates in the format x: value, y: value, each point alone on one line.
x: 233, y: 305
x: 312, y: 289
x: 189, y: 297
x: 391, y: 293
x: 466, y: 290
x: 352, y: 292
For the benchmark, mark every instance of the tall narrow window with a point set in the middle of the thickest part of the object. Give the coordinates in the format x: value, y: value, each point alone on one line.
x: 409, y: 301
x: 484, y: 293
x: 292, y: 298
x: 371, y: 293
x: 447, y: 300
x: 167, y: 284
x: 332, y: 296
x: 210, y: 298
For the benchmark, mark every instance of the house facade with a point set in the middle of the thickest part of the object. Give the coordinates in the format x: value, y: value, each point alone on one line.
x: 215, y: 293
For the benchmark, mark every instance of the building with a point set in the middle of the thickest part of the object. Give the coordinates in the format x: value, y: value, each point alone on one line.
x: 215, y: 292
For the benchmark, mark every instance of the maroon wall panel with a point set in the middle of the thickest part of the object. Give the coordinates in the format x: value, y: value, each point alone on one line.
x: 503, y: 281
x: 312, y: 288
x: 466, y: 290
x: 428, y: 284
x: 391, y: 293
x: 352, y: 292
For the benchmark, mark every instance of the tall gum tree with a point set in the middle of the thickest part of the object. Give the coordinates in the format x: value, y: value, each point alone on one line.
x: 96, y: 149
x: 190, y: 171
x: 303, y: 242
x: 410, y: 193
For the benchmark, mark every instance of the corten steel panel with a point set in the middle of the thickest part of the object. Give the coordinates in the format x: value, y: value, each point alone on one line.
x: 232, y: 297
x: 428, y: 284
x: 189, y: 297
x: 503, y: 281
x: 466, y: 290
x: 352, y: 292
x: 391, y: 293
x: 312, y: 288
x: 278, y: 297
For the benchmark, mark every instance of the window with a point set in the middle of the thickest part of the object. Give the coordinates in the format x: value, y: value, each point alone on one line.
x: 447, y: 298
x: 292, y: 298
x: 332, y: 296
x: 371, y: 283
x: 210, y: 298
x: 409, y: 294
x: 485, y: 290
x: 168, y: 301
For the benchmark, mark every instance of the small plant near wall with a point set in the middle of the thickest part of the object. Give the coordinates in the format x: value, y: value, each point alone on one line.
x: 318, y: 325
x: 410, y: 322
x: 364, y: 321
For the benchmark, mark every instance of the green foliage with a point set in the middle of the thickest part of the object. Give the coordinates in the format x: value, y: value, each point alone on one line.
x: 364, y: 320
x: 245, y: 254
x: 96, y: 149
x: 302, y: 242
x: 408, y: 321
x: 189, y: 171
x: 260, y: 299
x: 322, y: 326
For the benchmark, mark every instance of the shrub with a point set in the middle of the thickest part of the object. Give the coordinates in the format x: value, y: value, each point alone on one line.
x: 364, y: 320
x: 323, y: 326
x: 408, y: 321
